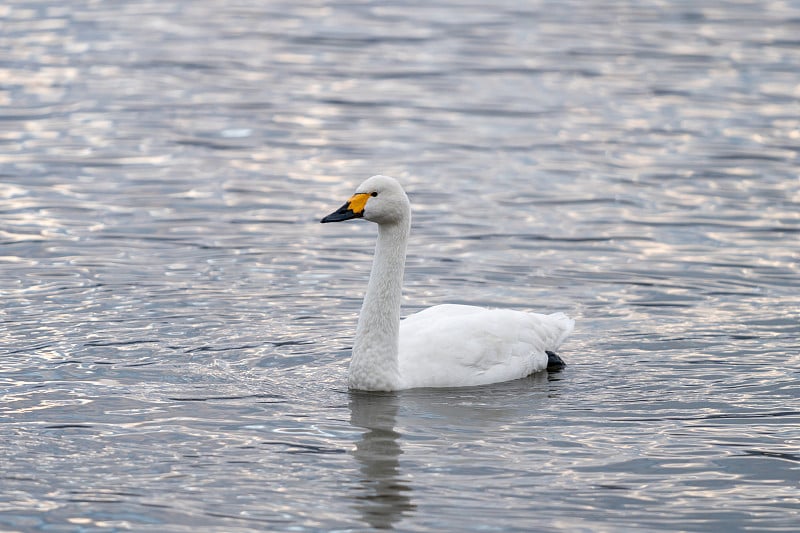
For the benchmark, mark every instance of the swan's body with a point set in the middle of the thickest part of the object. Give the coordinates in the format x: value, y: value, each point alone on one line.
x: 442, y: 346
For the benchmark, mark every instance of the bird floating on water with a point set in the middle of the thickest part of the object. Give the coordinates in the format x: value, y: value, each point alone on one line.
x: 442, y: 346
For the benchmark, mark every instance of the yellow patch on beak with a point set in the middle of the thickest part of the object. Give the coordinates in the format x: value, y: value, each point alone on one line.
x: 357, y: 202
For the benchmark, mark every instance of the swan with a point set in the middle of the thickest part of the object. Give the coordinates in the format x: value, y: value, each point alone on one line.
x: 442, y: 346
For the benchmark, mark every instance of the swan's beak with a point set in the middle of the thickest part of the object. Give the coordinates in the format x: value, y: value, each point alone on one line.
x: 354, y: 208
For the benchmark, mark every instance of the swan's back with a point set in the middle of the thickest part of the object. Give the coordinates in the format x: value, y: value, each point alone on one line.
x: 461, y: 345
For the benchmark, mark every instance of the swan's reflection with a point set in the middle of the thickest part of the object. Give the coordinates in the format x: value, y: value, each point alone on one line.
x: 385, y: 497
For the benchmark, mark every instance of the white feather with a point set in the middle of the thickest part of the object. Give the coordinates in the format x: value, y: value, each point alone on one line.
x: 456, y: 345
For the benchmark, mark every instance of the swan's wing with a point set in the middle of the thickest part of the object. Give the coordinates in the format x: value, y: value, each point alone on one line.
x: 452, y: 345
x: 439, y: 312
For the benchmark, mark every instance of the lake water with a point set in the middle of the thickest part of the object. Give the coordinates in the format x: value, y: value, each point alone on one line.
x: 176, y: 323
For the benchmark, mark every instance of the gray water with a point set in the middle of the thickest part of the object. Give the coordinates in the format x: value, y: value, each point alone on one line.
x: 176, y: 323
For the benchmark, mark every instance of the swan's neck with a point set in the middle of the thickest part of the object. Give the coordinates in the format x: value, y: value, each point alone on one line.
x: 374, y: 363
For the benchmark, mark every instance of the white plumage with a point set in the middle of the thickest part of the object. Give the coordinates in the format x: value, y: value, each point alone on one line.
x: 442, y: 346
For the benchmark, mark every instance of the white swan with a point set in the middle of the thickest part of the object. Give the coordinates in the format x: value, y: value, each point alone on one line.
x: 442, y: 346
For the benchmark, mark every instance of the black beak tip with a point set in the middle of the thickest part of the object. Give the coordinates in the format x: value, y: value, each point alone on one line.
x: 343, y: 213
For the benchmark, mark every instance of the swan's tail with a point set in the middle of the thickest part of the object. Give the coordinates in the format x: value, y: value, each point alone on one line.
x: 564, y: 326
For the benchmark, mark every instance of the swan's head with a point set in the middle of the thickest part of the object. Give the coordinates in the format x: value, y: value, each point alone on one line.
x: 379, y: 199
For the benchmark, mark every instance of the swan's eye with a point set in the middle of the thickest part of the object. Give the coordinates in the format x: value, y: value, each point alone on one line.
x: 374, y: 194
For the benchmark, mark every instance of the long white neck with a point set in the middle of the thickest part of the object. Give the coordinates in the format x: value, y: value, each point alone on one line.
x: 374, y: 363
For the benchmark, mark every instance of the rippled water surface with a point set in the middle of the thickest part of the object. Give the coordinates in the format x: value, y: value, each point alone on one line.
x: 176, y: 324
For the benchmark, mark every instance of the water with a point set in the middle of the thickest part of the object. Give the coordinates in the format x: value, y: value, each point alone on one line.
x: 176, y: 323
